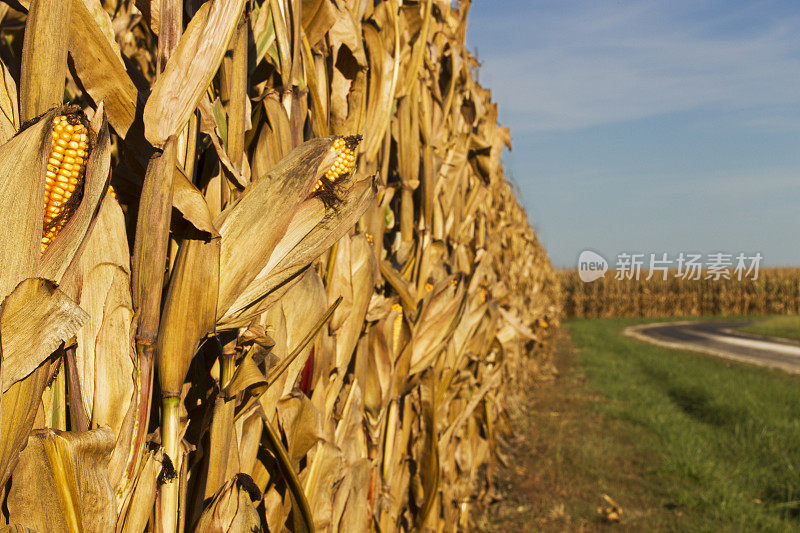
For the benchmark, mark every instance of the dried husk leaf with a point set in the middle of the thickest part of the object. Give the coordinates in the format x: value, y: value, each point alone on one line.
x: 440, y: 314
x: 35, y: 319
x: 16, y: 528
x: 188, y: 199
x: 191, y: 67
x: 44, y: 57
x: 318, y: 16
x: 304, y: 520
x: 23, y: 158
x: 302, y: 306
x: 19, y: 406
x: 9, y: 112
x: 305, y: 219
x: 232, y: 508
x: 322, y: 476
x: 105, y: 357
x: 351, y: 507
x: 72, y: 491
x: 140, y: 506
x: 429, y: 462
x: 98, y: 63
x: 301, y: 425
x: 223, y: 454
x: 335, y: 223
x: 248, y: 378
x: 275, y: 141
x: 238, y: 105
x: 152, y: 235
x: 253, y: 226
x: 189, y: 310
x: 354, y: 276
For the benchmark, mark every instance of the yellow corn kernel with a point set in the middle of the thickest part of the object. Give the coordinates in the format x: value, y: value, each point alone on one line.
x: 344, y: 163
x: 65, y: 174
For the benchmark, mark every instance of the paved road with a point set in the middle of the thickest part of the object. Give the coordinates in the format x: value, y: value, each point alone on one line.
x: 721, y: 339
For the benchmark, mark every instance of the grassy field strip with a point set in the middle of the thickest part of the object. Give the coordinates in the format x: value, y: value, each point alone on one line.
x: 781, y: 326
x: 726, y: 436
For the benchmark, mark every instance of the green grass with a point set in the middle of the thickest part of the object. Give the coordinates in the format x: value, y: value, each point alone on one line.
x: 784, y: 326
x: 725, y: 436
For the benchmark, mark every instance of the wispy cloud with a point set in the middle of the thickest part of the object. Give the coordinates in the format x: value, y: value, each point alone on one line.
x: 590, y: 65
x: 769, y: 182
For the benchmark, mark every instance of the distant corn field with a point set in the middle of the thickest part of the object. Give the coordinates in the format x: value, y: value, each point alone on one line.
x: 261, y: 268
x: 775, y: 291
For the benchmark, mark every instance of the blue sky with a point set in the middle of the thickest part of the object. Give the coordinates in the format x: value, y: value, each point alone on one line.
x: 650, y: 126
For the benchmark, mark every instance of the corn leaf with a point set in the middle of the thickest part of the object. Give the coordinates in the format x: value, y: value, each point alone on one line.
x: 98, y: 63
x: 9, y: 111
x: 190, y: 69
x: 73, y: 492
x: 44, y: 57
x: 35, y: 319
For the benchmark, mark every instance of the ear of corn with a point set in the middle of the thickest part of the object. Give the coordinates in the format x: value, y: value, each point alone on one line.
x: 66, y: 167
x: 344, y: 164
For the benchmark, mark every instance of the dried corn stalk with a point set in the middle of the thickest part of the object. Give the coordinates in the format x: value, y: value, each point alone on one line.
x: 330, y: 275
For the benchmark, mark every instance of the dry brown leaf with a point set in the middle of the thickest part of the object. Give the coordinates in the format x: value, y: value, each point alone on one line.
x: 104, y: 357
x: 44, y: 58
x: 187, y: 199
x: 318, y: 16
x: 152, y: 235
x: 354, y: 276
x: 189, y: 310
x: 223, y: 453
x: 98, y: 63
x: 441, y: 311
x: 300, y: 422
x: 23, y: 158
x: 321, y: 477
x: 35, y: 319
x: 336, y: 222
x: 9, y: 112
x: 232, y: 508
x: 72, y: 491
x: 190, y: 69
x: 134, y: 517
x: 19, y: 405
x: 275, y: 140
x: 248, y: 378
x: 253, y: 226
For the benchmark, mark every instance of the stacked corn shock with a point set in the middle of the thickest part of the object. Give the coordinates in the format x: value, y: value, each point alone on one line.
x: 66, y: 166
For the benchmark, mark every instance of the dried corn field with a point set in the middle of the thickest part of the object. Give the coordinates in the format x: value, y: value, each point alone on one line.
x: 775, y: 291
x: 262, y: 270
